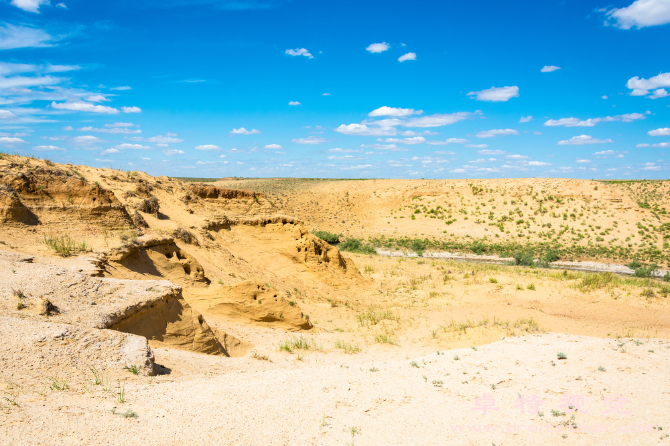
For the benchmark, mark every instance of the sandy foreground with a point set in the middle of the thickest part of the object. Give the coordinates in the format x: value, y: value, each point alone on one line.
x: 431, y: 400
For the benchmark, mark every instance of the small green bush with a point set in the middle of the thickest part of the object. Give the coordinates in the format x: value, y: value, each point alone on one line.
x: 357, y: 245
x: 327, y: 236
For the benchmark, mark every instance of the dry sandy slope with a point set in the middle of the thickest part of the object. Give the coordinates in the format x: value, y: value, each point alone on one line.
x: 248, y: 402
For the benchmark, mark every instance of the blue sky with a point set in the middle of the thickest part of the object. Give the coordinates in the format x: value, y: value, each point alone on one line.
x: 375, y: 89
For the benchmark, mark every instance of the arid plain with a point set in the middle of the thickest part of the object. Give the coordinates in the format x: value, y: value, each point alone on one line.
x: 170, y: 311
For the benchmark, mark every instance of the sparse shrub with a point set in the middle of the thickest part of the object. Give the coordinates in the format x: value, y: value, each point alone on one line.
x: 523, y: 258
x: 646, y: 271
x: 184, y: 235
x: 132, y: 369
x: 562, y: 356
x: 493, y: 280
x: 328, y: 236
x: 356, y: 245
x: 348, y: 347
x: 139, y: 221
x: 531, y: 286
x: 48, y: 308
x: 418, y: 246
x: 149, y: 206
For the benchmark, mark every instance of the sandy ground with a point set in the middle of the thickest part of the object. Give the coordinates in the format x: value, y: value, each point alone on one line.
x: 340, y: 399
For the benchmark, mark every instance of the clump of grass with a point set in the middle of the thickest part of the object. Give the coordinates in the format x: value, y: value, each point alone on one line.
x: 348, y: 347
x: 57, y: 384
x: 20, y: 299
x: 384, y: 338
x: 127, y: 414
x: 602, y: 369
x: 561, y: 355
x: 358, y: 246
x: 373, y: 317
x: 530, y: 325
x: 132, y: 369
x: 531, y: 286
x: 596, y: 281
x: 97, y: 376
x: 296, y: 343
x: 493, y: 280
x: 64, y: 245
x: 259, y: 356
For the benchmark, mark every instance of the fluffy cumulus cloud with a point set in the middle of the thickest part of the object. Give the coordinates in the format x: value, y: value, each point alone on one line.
x: 576, y: 122
x: 378, y: 47
x: 294, y: 103
x: 86, y: 139
x: 640, y: 14
x: 6, y: 114
x: 659, y: 132
x: 583, y: 139
x: 496, y: 94
x: 538, y: 163
x: 650, y: 166
x: 549, y: 68
x: 273, y: 146
x: 491, y: 152
x: 582, y: 160
x: 394, y: 112
x: 526, y: 119
x: 492, y: 133
x: 82, y: 106
x: 310, y: 140
x: 438, y: 120
x: 517, y: 157
x: 408, y: 56
x: 30, y: 5
x: 364, y: 130
x: 208, y: 148
x: 412, y: 140
x: 243, y: 131
x: 642, y: 87
x: 299, y: 52
x: 131, y: 110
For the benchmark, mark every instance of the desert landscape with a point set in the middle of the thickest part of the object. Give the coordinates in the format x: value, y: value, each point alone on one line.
x: 170, y: 311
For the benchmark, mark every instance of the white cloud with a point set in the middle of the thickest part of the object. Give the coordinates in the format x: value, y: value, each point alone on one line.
x: 243, y: 131
x: 273, y: 146
x: 582, y: 160
x: 84, y: 107
x: 160, y: 139
x: 605, y: 97
x: 538, y: 163
x: 661, y: 145
x: 640, y: 146
x: 517, y: 157
x: 660, y: 93
x: 437, y: 120
x: 491, y: 152
x: 128, y: 146
x: 109, y: 151
x: 208, y: 147
x: 413, y: 140
x: 394, y: 112
x: 12, y: 36
x: 131, y: 109
x: 310, y: 140
x: 364, y: 130
x: 526, y: 119
x: 639, y: 14
x: 68, y: 128
x: 169, y: 152
x: 651, y: 166
x: 389, y: 147
x: 300, y: 52
x: 121, y: 124
x: 61, y: 5
x: 448, y: 141
x: 496, y: 94
x: 458, y: 170
x: 96, y: 98
x: 378, y: 47
x: 641, y: 87
x: 492, y: 133
x: 6, y: 114
x: 408, y: 56
x: 121, y: 88
x: 477, y: 146
x: 113, y: 130
x: 30, y: 5
x: 549, y: 68
x: 10, y: 140
x: 659, y: 132
x: 48, y: 148
x: 576, y: 122
x: 327, y: 94
x: 441, y: 152
x: 294, y: 103
x: 583, y: 139
x: 86, y: 139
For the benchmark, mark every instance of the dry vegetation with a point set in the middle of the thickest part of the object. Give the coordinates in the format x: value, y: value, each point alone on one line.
x: 285, y: 318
